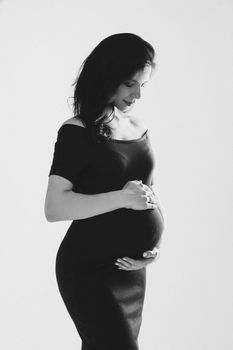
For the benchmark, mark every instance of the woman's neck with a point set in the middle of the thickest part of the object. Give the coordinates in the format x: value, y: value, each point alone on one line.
x: 116, y: 116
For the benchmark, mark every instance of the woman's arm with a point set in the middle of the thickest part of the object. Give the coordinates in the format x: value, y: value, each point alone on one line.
x: 63, y: 204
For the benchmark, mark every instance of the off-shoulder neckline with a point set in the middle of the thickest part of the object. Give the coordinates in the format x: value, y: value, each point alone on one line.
x: 111, y: 139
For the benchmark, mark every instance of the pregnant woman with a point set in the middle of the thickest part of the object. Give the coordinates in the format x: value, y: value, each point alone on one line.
x: 101, y: 179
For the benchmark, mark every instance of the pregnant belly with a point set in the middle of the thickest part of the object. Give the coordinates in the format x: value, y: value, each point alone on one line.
x: 140, y: 230
x: 123, y: 232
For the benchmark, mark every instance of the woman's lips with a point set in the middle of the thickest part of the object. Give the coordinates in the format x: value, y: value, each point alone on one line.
x: 128, y: 103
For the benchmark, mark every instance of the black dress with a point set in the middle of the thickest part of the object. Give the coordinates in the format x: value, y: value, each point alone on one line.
x: 105, y: 303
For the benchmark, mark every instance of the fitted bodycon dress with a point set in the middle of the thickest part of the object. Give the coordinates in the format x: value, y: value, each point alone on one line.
x: 105, y: 303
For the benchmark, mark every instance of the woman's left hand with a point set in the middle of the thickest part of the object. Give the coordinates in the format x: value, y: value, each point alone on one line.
x: 129, y: 264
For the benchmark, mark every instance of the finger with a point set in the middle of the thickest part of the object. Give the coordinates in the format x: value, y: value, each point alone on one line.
x: 149, y: 190
x: 146, y: 254
x: 151, y: 205
x: 153, y: 198
x: 129, y: 260
x: 124, y: 263
x: 155, y: 253
x: 121, y: 266
x: 150, y: 253
x: 136, y: 265
x: 155, y: 250
x: 124, y: 268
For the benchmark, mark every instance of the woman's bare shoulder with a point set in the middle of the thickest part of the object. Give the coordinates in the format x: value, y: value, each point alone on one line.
x: 74, y: 121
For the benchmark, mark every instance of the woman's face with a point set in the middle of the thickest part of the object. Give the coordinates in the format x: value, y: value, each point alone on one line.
x: 130, y: 90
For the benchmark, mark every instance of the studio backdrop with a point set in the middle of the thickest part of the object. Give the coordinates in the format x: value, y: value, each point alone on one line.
x: 187, y: 107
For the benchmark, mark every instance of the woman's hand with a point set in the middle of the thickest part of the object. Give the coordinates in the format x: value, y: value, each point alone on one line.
x: 139, y: 196
x: 130, y: 264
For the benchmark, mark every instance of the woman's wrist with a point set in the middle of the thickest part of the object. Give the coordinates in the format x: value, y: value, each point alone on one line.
x: 123, y: 198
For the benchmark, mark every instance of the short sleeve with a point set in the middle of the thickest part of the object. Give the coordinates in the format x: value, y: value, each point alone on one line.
x: 71, y: 152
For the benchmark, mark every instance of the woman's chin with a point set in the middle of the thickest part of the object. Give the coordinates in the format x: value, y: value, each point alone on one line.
x: 127, y: 108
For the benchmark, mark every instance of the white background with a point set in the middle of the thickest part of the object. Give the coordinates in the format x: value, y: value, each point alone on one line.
x: 188, y: 108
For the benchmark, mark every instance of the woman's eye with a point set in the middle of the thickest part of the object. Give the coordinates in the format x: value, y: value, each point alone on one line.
x: 128, y: 85
x: 131, y: 85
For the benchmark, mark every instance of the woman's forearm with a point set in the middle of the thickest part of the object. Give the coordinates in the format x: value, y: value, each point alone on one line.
x: 70, y: 205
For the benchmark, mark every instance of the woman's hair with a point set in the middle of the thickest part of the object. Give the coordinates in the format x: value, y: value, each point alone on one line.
x: 115, y: 59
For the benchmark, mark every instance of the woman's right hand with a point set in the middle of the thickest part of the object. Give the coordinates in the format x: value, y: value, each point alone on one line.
x: 139, y: 196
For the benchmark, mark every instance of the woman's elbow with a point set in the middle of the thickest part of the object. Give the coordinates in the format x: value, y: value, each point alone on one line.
x: 54, y: 206
x: 50, y: 213
x: 50, y: 217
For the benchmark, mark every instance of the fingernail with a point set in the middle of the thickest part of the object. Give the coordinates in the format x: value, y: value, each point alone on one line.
x: 145, y: 255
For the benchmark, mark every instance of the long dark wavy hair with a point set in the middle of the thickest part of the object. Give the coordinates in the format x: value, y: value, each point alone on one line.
x: 114, y: 60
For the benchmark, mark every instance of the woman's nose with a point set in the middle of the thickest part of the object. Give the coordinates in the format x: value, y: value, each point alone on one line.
x: 137, y: 92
